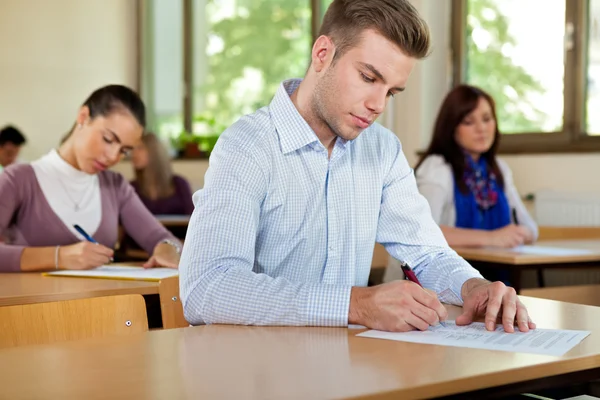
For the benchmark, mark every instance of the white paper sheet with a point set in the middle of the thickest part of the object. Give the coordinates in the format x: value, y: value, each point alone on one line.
x: 120, y: 272
x: 553, y: 342
x: 549, y: 251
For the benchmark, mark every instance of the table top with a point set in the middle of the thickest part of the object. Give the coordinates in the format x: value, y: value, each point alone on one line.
x: 512, y: 257
x: 33, y: 287
x: 173, y: 219
x: 221, y: 361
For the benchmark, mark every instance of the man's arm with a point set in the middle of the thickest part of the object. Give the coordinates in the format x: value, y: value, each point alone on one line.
x: 218, y: 284
x: 409, y: 233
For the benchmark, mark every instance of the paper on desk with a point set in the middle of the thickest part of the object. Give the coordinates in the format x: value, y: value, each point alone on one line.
x: 549, y: 251
x: 120, y: 272
x: 554, y: 342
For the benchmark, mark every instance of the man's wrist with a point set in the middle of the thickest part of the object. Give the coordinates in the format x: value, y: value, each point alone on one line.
x: 471, y: 284
x: 356, y: 309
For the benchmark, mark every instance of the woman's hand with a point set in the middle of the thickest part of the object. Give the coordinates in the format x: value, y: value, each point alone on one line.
x: 84, y: 255
x: 164, y: 255
x: 509, y: 236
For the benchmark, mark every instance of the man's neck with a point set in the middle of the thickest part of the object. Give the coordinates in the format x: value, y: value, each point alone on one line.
x: 301, y: 99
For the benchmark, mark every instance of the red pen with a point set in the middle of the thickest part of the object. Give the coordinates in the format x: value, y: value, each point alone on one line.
x: 410, y: 275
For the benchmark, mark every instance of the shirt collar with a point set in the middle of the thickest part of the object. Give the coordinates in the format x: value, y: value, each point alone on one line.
x: 294, y: 132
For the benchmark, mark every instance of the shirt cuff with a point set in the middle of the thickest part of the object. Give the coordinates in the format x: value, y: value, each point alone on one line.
x: 453, y: 294
x: 328, y: 305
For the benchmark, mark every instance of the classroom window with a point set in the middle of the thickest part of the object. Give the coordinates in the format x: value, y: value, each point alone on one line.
x: 543, y: 70
x: 208, y: 62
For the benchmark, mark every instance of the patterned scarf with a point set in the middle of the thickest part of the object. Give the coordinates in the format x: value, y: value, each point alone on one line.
x: 482, y: 184
x: 485, y: 205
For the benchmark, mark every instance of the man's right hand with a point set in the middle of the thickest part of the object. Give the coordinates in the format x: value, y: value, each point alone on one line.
x: 398, y: 306
x: 83, y: 255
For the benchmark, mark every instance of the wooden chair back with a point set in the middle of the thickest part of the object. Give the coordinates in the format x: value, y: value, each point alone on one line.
x: 44, y: 323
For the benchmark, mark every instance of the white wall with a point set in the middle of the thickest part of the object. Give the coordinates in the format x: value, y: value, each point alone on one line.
x: 53, y: 54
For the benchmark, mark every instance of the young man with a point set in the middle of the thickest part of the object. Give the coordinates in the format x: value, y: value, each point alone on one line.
x: 298, y: 193
x: 11, y: 141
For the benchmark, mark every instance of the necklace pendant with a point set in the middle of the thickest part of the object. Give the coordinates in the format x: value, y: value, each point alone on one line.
x: 76, y: 207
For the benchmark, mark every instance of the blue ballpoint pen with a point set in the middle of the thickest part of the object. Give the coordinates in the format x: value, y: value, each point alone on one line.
x: 86, y: 236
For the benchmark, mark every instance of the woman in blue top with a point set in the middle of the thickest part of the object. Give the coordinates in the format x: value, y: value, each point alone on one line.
x: 470, y: 191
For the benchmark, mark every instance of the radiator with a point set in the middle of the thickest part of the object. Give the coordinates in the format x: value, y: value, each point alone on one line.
x: 554, y: 208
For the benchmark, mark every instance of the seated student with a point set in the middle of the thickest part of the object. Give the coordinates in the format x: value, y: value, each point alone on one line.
x: 470, y: 191
x: 11, y: 141
x: 297, y: 194
x: 159, y: 189
x: 43, y: 201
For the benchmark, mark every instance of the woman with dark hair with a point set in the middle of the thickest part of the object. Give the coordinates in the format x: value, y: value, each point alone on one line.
x: 41, y: 203
x: 470, y: 191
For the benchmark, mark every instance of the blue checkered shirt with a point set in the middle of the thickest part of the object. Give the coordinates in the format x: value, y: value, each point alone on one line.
x: 281, y: 232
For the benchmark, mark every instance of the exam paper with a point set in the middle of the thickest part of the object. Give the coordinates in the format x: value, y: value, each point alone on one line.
x: 120, y: 272
x: 555, y: 342
x: 549, y: 251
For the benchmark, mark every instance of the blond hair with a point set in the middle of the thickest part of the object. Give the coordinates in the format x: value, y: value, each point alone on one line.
x: 155, y: 181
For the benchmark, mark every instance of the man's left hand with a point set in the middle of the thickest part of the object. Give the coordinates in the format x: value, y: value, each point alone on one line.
x: 494, y: 301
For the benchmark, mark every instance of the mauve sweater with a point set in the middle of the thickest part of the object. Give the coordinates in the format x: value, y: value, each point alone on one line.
x: 33, y: 223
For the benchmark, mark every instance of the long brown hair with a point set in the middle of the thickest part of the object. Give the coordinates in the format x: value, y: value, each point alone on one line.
x: 459, y: 103
x: 156, y: 179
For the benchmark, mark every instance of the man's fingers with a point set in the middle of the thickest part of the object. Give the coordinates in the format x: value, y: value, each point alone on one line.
x: 523, y: 319
x: 417, y: 322
x: 493, y: 306
x: 426, y: 314
x: 509, y: 312
x: 432, y: 302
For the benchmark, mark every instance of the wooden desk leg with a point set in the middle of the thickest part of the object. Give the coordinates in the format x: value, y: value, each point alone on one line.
x: 171, y: 308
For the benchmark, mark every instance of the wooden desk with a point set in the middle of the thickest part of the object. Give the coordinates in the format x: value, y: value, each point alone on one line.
x: 32, y: 287
x: 173, y: 220
x: 515, y: 263
x: 231, y: 362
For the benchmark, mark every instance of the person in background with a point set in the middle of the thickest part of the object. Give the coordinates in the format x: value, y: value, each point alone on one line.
x: 297, y: 194
x: 160, y: 190
x: 11, y: 141
x: 470, y: 190
x: 42, y: 202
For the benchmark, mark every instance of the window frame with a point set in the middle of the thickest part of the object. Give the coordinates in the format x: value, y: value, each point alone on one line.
x: 573, y: 137
x: 144, y: 54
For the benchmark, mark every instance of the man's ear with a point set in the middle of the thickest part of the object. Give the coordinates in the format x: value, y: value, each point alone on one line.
x: 322, y: 53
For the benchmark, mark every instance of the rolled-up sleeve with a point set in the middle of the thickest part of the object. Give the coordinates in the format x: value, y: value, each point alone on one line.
x: 409, y: 233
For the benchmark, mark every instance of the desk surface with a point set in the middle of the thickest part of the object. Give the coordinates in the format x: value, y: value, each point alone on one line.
x: 33, y: 287
x: 507, y: 256
x: 278, y: 362
x: 173, y: 220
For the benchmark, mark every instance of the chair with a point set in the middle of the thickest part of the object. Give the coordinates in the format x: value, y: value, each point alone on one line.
x: 44, y: 323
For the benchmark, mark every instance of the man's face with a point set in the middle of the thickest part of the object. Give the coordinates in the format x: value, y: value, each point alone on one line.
x: 8, y: 153
x: 353, y: 91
